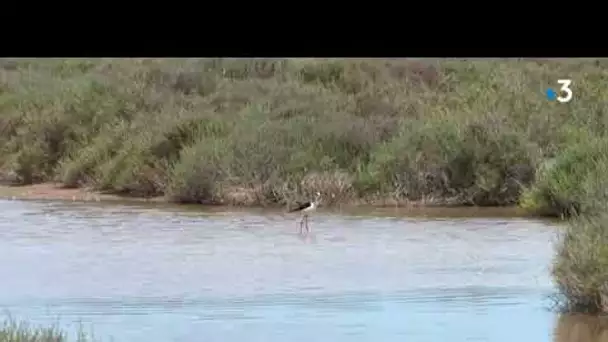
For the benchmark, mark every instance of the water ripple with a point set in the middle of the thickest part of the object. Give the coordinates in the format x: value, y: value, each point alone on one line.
x: 131, y: 270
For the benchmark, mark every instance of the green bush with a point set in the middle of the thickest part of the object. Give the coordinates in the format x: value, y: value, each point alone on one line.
x: 196, y: 177
x: 477, y: 163
x: 580, y: 267
x: 457, y: 131
x: 573, y: 183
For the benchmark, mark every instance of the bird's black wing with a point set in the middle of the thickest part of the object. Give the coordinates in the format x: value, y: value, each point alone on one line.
x: 300, y: 206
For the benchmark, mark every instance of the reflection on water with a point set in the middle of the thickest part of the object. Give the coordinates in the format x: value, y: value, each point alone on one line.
x: 579, y: 328
x: 149, y: 273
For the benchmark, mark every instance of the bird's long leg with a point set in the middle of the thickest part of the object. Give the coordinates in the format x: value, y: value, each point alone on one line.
x: 302, y: 224
x: 309, y: 230
x: 307, y: 227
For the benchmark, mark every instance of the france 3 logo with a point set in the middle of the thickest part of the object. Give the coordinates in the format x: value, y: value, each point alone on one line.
x: 565, y: 93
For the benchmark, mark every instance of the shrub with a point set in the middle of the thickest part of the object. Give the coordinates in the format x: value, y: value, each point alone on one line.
x: 574, y: 182
x: 197, y: 176
x: 458, y: 131
x: 580, y: 267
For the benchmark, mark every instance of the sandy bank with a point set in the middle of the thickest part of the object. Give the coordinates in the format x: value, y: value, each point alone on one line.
x: 52, y: 191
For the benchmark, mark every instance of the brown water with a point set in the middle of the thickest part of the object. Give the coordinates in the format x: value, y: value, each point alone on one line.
x: 137, y: 273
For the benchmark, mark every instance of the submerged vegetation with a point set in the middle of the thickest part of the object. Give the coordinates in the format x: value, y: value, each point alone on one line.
x: 263, y: 132
x: 266, y: 131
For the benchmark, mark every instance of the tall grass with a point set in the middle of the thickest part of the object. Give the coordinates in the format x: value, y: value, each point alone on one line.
x: 580, y: 267
x: 574, y: 184
x: 22, y: 331
x: 265, y: 131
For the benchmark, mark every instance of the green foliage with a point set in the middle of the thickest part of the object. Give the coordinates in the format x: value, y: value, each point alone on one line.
x: 580, y: 267
x: 467, y: 132
x: 574, y: 182
x: 195, y: 177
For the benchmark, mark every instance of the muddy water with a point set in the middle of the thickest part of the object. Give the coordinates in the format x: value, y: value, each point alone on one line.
x: 135, y: 273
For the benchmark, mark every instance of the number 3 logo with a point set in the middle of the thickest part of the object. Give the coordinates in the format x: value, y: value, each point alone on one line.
x: 565, y: 89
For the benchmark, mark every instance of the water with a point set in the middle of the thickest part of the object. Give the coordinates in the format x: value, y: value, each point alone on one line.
x: 136, y: 273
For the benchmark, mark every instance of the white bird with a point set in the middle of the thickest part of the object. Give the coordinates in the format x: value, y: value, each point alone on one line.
x: 306, y: 208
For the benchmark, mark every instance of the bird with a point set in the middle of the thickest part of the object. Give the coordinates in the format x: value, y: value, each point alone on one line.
x: 305, y: 208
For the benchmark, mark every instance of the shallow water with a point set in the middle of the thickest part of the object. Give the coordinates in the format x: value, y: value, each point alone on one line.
x: 137, y: 273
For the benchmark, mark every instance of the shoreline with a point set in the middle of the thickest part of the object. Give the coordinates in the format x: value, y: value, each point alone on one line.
x: 55, y: 192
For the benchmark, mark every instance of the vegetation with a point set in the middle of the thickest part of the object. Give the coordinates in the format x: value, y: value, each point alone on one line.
x: 12, y: 331
x: 574, y: 182
x: 580, y: 267
x: 263, y: 132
